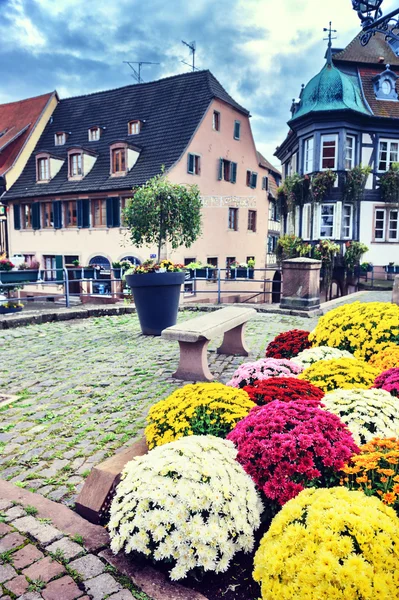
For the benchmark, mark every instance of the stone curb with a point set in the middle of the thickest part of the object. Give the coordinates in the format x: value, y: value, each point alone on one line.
x: 69, y: 314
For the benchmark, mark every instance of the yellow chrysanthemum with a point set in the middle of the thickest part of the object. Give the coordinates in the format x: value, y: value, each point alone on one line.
x: 341, y: 373
x: 197, y: 409
x: 386, y: 359
x: 360, y: 328
x: 330, y: 543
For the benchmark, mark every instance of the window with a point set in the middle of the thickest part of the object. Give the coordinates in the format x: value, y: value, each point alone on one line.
x: 134, y: 127
x: 99, y: 213
x: 265, y: 183
x: 252, y: 179
x: 70, y: 214
x: 347, y: 217
x: 119, y: 160
x: 94, y: 134
x: 274, y: 211
x: 194, y: 164
x: 387, y: 154
x: 227, y: 170
x: 272, y: 244
x: 26, y: 216
x: 349, y: 152
x: 216, y: 120
x: 47, y: 215
x: 213, y: 261
x: 50, y: 273
x: 328, y: 152
x: 237, y: 130
x: 43, y: 169
x: 187, y: 261
x: 308, y: 156
x: 233, y: 219
x: 75, y: 165
x: 60, y: 138
x: 251, y: 220
x: 386, y: 227
x: 327, y: 214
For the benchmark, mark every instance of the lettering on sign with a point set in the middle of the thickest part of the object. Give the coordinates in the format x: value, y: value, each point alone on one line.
x: 232, y: 201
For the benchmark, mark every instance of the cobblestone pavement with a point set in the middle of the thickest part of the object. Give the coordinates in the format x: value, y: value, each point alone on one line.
x: 366, y: 296
x: 39, y: 562
x: 82, y: 390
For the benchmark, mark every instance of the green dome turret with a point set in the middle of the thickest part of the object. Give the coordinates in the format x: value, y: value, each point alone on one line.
x: 331, y: 89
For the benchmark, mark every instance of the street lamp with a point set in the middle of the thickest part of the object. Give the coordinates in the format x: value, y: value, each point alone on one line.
x: 373, y: 21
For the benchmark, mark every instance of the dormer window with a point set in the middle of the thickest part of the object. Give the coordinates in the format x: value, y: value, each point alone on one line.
x: 60, y: 138
x: 119, y: 161
x: 385, y: 85
x: 94, y: 134
x: 43, y: 169
x: 75, y: 165
x: 134, y: 127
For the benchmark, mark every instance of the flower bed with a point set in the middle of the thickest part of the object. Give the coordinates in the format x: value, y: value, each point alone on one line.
x: 386, y: 359
x: 248, y: 373
x: 196, y: 409
x: 329, y: 544
x: 286, y: 447
x: 285, y: 389
x: 362, y: 329
x: 288, y: 344
x: 177, y: 504
x: 312, y: 355
x: 376, y: 471
x: 389, y: 381
x: 343, y: 373
x: 367, y: 413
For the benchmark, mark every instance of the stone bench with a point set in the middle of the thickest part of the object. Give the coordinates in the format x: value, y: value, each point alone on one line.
x: 194, y: 336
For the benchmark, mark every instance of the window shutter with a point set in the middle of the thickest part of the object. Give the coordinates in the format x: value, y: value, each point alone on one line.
x: 254, y: 180
x: 116, y: 212
x: 190, y: 163
x: 57, y: 212
x: 266, y: 183
x: 36, y: 215
x: 59, y: 263
x: 220, y: 175
x: 17, y: 216
x: 263, y: 183
x: 233, y: 172
x: 85, y: 213
x: 80, y: 212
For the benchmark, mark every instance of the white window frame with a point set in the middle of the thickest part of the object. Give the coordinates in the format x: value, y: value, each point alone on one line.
x: 307, y: 222
x: 329, y: 138
x: 43, y: 173
x: 389, y: 212
x: 60, y: 138
x: 388, y: 142
x: 348, y: 226
x: 237, y: 137
x: 94, y: 134
x: 308, y: 155
x: 329, y: 205
x: 384, y: 227
x: 347, y: 147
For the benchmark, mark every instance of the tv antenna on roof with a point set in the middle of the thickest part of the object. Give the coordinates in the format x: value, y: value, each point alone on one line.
x: 193, y: 48
x: 137, y: 72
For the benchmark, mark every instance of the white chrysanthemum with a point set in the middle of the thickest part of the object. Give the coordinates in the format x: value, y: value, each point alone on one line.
x: 312, y: 355
x: 367, y: 413
x: 190, y: 501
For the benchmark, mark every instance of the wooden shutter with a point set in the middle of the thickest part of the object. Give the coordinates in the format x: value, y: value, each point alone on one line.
x: 59, y: 263
x: 57, y: 212
x: 79, y: 204
x: 254, y: 180
x: 190, y: 163
x: 220, y: 174
x: 233, y: 172
x: 17, y: 216
x: 116, y: 212
x: 110, y: 216
x: 83, y: 207
x: 36, y: 215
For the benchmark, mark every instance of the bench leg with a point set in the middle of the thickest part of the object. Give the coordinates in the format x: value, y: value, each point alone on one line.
x: 193, y: 363
x: 233, y: 342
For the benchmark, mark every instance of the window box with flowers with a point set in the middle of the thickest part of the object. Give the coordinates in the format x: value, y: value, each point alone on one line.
x: 24, y: 274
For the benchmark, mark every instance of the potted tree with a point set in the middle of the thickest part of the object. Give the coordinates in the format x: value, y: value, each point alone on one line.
x: 161, y: 212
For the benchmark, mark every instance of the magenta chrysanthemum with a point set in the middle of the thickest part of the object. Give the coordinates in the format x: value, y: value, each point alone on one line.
x: 389, y: 381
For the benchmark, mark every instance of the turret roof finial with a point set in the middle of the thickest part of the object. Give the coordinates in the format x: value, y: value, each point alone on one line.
x: 329, y: 38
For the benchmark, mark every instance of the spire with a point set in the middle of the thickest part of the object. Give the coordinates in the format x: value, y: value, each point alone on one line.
x: 329, y: 48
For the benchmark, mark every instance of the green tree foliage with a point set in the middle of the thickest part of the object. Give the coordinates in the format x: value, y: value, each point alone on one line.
x: 161, y: 212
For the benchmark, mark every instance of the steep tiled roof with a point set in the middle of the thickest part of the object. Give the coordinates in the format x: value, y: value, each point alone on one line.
x: 381, y: 108
x: 263, y: 162
x: 17, y: 120
x: 377, y: 48
x: 170, y: 110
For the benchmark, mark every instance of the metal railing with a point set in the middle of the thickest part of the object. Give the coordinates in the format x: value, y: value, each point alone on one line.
x: 107, y: 285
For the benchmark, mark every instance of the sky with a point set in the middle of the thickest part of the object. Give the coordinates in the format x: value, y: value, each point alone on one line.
x: 261, y: 51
